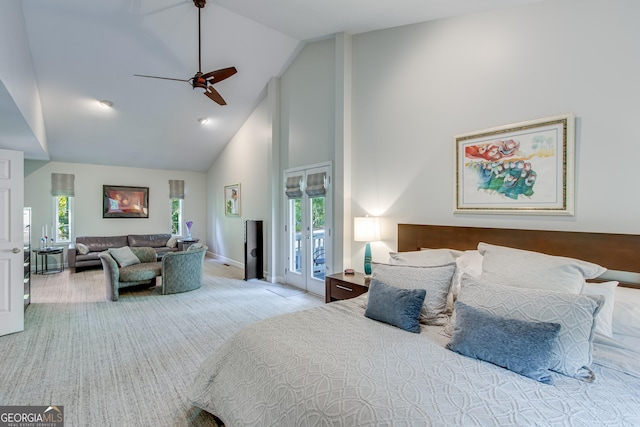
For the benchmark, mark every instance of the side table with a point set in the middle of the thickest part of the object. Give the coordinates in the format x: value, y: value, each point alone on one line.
x: 43, y: 253
x: 183, y: 244
x: 341, y: 286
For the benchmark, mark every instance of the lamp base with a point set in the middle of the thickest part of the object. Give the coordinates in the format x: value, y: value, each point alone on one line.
x: 367, y: 259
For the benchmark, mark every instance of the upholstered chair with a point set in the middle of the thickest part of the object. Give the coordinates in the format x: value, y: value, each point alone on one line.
x: 182, y: 270
x: 117, y: 277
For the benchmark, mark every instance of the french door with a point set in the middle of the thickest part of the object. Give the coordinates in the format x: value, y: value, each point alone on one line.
x: 308, y: 227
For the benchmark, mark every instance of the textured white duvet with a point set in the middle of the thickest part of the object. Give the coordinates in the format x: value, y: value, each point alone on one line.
x: 331, y: 366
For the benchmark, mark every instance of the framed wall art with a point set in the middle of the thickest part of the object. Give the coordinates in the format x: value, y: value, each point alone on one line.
x: 125, y: 202
x: 521, y: 168
x: 232, y: 200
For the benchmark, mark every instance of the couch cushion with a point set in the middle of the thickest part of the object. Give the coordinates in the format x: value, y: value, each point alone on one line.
x: 82, y: 248
x: 124, y: 256
x: 91, y: 256
x: 149, y: 240
x: 165, y: 249
x: 102, y: 243
x: 140, y: 272
x: 172, y: 242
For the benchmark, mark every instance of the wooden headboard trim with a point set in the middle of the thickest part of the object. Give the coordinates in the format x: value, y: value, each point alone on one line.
x: 614, y: 251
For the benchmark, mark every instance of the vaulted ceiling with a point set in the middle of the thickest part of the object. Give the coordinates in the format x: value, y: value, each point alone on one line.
x: 86, y: 51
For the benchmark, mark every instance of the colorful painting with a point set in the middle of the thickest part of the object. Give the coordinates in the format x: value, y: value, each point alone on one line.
x: 232, y: 200
x: 125, y: 202
x: 519, y: 168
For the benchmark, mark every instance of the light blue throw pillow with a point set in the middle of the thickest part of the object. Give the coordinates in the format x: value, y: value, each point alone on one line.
x: 395, y: 306
x: 521, y: 346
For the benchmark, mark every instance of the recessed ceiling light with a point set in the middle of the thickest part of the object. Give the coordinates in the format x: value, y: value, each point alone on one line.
x: 106, y: 103
x: 203, y: 120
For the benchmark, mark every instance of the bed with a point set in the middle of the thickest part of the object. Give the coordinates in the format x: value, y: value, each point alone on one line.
x: 332, y: 365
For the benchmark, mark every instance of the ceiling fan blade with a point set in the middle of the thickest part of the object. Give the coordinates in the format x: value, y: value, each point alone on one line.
x: 162, y: 9
x: 163, y: 78
x: 219, y: 75
x: 215, y: 96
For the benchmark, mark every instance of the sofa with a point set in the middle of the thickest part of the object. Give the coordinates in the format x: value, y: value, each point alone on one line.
x: 142, y: 273
x: 79, y: 257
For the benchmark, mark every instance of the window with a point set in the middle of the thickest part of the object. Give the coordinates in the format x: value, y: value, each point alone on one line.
x: 63, y: 208
x: 176, y: 217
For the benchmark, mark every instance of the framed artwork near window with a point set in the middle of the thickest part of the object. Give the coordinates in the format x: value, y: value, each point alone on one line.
x: 232, y: 200
x: 125, y: 202
x: 521, y: 168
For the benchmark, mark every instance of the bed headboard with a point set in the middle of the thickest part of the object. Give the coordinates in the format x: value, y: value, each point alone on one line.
x: 614, y: 251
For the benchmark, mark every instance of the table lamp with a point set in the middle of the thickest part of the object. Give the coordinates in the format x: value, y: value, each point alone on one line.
x: 366, y: 229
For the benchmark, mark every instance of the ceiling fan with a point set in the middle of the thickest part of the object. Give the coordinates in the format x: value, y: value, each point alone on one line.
x: 200, y: 80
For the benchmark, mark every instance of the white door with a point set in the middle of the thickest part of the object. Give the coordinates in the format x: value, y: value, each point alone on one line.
x: 11, y: 242
x: 308, y: 227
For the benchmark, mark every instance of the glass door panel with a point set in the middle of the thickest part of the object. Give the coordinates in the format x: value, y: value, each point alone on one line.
x: 295, y: 225
x: 318, y: 235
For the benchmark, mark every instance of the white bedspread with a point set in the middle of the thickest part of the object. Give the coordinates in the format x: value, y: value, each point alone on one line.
x: 331, y: 366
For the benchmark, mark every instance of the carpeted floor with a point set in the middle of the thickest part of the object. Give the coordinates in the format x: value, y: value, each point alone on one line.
x: 130, y: 362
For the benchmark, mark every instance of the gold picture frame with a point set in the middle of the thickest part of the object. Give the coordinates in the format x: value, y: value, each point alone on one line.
x: 521, y: 168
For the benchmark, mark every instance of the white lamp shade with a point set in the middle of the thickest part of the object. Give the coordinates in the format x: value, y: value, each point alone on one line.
x: 366, y: 229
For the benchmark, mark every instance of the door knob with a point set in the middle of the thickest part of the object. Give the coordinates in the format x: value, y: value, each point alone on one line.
x: 16, y: 250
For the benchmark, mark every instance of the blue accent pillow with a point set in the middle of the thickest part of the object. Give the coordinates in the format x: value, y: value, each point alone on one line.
x: 521, y: 346
x: 395, y: 306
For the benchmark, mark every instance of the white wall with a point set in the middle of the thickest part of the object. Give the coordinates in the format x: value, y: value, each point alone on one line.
x: 415, y: 87
x: 89, y: 180
x: 418, y: 86
x: 307, y: 96
x: 17, y: 73
x: 245, y: 160
x: 306, y: 102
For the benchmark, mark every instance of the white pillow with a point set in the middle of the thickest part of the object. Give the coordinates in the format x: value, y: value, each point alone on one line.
x: 470, y: 262
x: 172, y: 242
x: 572, y: 352
x: 626, y: 312
x: 435, y: 280
x: 527, y: 269
x: 82, y: 249
x: 124, y: 256
x: 604, y: 320
x: 424, y: 257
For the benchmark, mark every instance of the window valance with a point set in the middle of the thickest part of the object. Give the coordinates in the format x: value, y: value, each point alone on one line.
x: 62, y: 184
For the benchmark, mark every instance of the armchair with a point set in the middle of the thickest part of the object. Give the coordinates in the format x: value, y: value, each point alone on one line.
x: 137, y: 274
x: 182, y: 271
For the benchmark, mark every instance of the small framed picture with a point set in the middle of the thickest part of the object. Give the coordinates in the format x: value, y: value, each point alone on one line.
x: 232, y: 200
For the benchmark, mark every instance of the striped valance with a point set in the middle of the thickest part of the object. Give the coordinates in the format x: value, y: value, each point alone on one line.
x: 62, y: 184
x: 176, y: 189
x: 316, y: 184
x: 293, y: 188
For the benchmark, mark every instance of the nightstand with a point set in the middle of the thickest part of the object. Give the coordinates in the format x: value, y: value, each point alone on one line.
x: 344, y: 286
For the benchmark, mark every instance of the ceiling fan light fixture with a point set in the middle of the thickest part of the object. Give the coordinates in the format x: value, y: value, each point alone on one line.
x: 199, y: 82
x: 106, y: 103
